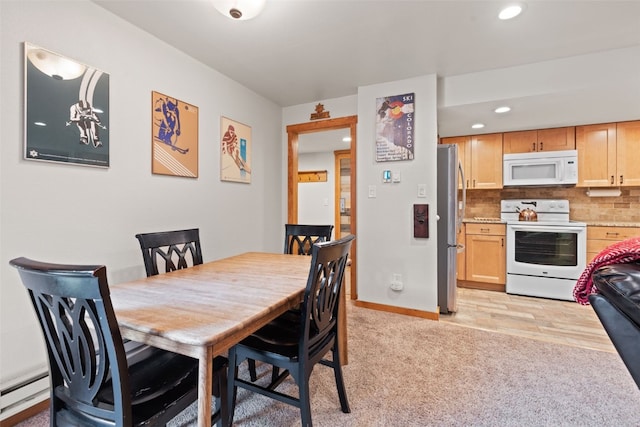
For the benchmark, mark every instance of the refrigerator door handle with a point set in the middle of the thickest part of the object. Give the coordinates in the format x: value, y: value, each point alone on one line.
x: 462, y: 208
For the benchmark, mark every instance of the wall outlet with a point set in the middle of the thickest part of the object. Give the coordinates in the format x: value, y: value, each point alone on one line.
x: 396, y: 282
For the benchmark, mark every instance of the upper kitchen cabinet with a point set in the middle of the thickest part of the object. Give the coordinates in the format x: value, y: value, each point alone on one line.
x: 628, y: 154
x: 481, y: 159
x: 554, y: 139
x: 607, y: 156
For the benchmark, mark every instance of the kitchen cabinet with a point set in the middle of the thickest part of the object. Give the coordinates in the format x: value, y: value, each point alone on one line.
x: 481, y: 159
x: 608, y: 154
x: 600, y: 237
x: 485, y: 259
x: 555, y: 139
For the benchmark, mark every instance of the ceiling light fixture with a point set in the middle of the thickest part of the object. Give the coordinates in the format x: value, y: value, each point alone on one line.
x: 510, y: 12
x: 504, y: 109
x: 477, y: 126
x: 240, y: 10
x: 346, y: 139
x: 53, y: 65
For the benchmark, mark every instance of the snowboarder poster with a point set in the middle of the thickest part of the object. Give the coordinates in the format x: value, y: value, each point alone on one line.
x: 66, y: 110
x: 174, y: 138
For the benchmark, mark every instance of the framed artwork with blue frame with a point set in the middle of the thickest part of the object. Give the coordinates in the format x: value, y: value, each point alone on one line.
x: 235, y: 153
x: 66, y: 110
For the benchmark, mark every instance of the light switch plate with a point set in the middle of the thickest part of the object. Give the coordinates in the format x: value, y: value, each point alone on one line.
x: 372, y: 191
x: 422, y: 190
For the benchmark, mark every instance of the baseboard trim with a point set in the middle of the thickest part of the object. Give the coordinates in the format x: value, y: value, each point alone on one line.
x: 481, y: 286
x: 398, y: 310
x: 26, y: 414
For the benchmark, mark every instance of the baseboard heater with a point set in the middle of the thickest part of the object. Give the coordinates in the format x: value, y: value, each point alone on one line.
x: 22, y: 393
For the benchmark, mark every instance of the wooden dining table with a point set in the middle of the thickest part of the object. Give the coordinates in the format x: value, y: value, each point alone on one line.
x: 202, y: 311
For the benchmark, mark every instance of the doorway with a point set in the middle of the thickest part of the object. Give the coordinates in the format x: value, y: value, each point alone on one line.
x: 293, y: 132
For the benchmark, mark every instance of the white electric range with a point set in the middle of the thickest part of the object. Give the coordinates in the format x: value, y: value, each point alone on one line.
x: 546, y: 257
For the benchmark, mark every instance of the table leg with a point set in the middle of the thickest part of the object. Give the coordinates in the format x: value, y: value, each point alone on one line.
x: 342, y: 328
x: 205, y: 386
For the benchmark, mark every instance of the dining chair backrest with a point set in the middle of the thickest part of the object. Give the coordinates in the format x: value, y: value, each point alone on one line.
x: 300, y: 238
x: 83, y: 340
x: 322, y: 296
x: 172, y: 250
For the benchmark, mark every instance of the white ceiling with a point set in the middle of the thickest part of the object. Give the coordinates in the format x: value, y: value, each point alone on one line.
x: 302, y: 51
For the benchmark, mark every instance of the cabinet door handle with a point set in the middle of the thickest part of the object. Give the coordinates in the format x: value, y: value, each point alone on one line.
x: 485, y: 230
x: 611, y: 233
x: 502, y: 242
x: 541, y: 149
x: 533, y: 146
x: 621, y: 179
x: 612, y: 181
x: 474, y: 183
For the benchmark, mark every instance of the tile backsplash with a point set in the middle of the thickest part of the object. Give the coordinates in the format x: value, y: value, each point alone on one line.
x: 624, y: 208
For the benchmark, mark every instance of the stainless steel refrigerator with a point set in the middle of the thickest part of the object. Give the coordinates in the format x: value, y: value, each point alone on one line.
x: 450, y: 214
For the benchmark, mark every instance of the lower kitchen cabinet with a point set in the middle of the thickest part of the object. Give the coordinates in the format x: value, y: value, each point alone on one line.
x: 600, y: 237
x: 485, y: 256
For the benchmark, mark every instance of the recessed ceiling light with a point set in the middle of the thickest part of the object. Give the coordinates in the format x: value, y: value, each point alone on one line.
x: 510, y: 12
x: 346, y: 139
x: 477, y: 126
x: 502, y: 109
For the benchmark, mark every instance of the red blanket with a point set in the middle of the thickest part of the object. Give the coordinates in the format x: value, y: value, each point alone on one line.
x: 618, y: 253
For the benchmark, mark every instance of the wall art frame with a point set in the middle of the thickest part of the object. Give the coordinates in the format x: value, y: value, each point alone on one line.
x: 395, y: 124
x: 235, y: 151
x: 174, y: 136
x: 66, y: 110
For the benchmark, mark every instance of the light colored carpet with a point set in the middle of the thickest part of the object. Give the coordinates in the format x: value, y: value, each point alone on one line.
x: 406, y: 371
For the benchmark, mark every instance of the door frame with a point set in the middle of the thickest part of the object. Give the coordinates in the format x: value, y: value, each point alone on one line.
x: 293, y: 131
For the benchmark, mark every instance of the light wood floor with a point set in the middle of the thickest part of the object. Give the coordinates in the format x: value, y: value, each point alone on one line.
x: 562, y: 322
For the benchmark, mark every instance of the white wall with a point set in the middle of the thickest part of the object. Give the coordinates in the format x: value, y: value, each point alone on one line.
x: 385, y: 224
x: 316, y: 200
x: 74, y: 214
x: 384, y: 237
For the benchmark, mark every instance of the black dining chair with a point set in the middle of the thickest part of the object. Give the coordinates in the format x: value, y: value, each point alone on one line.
x: 299, y: 240
x: 296, y: 347
x: 167, y: 251
x: 92, y: 383
x: 171, y: 250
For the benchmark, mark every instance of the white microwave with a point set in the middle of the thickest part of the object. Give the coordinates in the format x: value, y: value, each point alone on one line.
x: 541, y: 168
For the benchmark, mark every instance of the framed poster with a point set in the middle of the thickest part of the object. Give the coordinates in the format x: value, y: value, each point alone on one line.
x: 394, y: 128
x: 66, y: 110
x: 174, y: 137
x: 235, y: 157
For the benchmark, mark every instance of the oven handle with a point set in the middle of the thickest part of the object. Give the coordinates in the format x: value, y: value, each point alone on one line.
x: 551, y: 229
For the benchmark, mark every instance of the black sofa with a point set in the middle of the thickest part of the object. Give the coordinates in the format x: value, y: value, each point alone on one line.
x: 617, y: 304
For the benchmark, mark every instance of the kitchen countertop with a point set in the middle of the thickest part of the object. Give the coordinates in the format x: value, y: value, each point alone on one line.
x: 484, y: 220
x: 487, y: 220
x: 612, y: 224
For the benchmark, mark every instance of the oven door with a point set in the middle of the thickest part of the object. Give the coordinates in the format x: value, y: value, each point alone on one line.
x: 554, y: 251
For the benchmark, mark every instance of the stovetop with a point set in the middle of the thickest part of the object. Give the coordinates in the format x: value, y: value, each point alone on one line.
x: 550, y: 212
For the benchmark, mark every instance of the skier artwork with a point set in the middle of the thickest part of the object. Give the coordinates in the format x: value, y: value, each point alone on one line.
x: 174, y: 137
x: 394, y: 128
x: 66, y: 110
x: 235, y: 156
